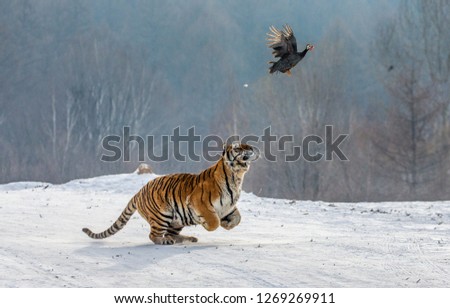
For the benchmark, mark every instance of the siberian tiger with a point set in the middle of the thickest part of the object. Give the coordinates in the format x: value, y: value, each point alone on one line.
x: 169, y: 203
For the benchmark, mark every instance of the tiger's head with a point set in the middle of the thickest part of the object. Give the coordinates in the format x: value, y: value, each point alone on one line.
x: 239, y: 155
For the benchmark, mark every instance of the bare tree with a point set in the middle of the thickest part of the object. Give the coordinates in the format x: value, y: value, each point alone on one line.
x: 407, y: 148
x: 105, y: 91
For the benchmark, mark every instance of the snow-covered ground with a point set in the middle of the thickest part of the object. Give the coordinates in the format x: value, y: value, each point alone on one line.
x: 279, y: 243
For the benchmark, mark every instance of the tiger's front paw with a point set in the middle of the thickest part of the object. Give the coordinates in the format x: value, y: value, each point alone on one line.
x: 211, y: 225
x: 228, y: 224
x: 231, y: 220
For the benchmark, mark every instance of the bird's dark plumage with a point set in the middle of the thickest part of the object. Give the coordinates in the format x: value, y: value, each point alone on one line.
x: 284, y: 47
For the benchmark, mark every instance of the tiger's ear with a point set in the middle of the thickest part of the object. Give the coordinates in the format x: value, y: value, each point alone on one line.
x: 235, y: 144
x: 224, y: 148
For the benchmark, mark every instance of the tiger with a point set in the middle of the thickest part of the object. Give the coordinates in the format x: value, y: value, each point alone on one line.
x: 171, y: 202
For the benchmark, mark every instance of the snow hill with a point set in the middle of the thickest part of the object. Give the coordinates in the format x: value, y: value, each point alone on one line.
x: 279, y: 243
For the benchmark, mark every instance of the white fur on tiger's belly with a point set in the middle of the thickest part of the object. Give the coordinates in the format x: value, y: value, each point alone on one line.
x: 225, y: 208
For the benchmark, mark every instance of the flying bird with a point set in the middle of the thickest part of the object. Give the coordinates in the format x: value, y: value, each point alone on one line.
x: 284, y: 47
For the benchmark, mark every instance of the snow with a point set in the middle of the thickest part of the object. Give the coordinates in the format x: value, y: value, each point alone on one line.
x: 279, y: 243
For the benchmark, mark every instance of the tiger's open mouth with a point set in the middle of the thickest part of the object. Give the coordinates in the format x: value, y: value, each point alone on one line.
x: 241, y: 155
x: 251, y: 156
x: 246, y: 158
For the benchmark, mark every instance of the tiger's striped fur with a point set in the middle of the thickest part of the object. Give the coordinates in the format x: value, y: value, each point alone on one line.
x: 169, y: 203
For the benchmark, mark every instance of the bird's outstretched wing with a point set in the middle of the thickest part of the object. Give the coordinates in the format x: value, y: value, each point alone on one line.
x: 282, y: 41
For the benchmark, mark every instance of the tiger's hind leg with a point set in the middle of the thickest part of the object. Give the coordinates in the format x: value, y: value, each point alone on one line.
x: 159, y: 235
x: 159, y: 239
x: 169, y: 236
x: 184, y: 239
x: 175, y: 234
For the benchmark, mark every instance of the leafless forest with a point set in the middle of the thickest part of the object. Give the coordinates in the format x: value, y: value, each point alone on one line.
x: 73, y: 72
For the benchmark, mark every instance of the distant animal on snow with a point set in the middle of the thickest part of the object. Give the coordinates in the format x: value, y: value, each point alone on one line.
x: 143, y: 168
x: 284, y: 47
x: 171, y: 202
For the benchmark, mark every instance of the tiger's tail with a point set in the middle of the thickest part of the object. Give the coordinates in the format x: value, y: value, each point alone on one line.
x: 117, y: 225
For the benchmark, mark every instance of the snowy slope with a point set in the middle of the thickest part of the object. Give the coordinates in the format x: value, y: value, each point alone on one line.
x: 279, y: 243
